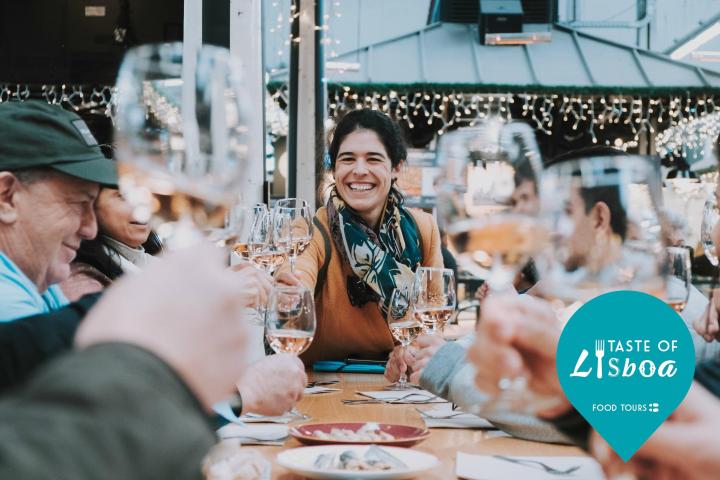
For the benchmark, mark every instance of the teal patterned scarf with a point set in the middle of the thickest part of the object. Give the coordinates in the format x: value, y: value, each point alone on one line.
x: 380, y: 261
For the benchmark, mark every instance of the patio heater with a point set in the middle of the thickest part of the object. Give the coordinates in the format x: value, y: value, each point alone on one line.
x: 500, y: 22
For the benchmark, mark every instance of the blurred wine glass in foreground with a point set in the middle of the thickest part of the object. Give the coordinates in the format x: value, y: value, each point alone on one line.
x: 487, y: 221
x: 182, y: 137
x: 605, y: 216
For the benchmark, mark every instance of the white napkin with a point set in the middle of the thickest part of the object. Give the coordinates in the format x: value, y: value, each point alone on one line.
x: 443, y: 416
x: 404, y: 396
x: 254, y: 434
x: 223, y: 409
x: 487, y: 467
x: 314, y: 390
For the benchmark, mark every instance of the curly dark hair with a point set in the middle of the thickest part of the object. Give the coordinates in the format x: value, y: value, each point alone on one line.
x: 386, y: 129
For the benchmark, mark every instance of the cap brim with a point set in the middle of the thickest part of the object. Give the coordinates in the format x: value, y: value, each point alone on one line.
x: 100, y: 170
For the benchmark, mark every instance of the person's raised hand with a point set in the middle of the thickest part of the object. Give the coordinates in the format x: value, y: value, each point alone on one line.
x: 517, y: 337
x: 187, y: 310
x: 287, y: 278
x: 707, y: 325
x: 419, y: 356
x: 684, y: 446
x: 272, y: 385
x: 255, y: 285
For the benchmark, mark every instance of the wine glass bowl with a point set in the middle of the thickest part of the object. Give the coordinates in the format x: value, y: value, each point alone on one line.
x: 292, y: 230
x: 433, y: 298
x: 264, y: 250
x: 679, y: 278
x: 290, y: 319
x: 240, y: 222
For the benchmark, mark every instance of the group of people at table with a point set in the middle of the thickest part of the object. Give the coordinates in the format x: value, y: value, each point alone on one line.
x: 118, y: 382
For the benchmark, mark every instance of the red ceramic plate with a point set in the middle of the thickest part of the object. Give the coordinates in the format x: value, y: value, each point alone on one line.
x: 405, y: 435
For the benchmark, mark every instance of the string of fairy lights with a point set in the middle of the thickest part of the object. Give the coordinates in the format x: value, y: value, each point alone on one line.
x: 679, y: 121
x: 285, y: 13
x: 77, y: 97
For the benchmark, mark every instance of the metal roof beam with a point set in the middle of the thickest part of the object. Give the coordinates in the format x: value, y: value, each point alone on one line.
x: 531, y: 66
x: 583, y: 58
x: 640, y: 66
x: 475, y: 52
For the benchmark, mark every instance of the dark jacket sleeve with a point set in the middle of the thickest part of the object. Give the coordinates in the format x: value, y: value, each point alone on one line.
x: 29, y: 342
x: 112, y: 411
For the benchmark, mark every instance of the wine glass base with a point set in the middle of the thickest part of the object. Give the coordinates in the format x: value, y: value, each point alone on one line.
x: 296, y: 415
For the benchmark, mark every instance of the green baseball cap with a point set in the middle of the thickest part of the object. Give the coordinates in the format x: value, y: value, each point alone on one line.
x: 37, y: 134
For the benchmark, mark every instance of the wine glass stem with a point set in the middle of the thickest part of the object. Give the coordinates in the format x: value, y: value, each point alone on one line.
x: 402, y: 381
x: 293, y: 260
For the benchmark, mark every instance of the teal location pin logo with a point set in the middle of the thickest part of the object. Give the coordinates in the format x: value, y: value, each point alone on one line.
x: 625, y: 361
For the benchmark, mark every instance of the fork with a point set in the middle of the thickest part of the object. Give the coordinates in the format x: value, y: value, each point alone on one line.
x: 599, y: 353
x: 532, y: 463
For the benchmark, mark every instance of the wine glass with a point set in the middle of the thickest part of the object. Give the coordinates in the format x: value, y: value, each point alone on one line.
x: 433, y: 297
x: 403, y: 326
x: 265, y: 252
x: 290, y: 323
x: 488, y: 226
x: 182, y: 137
x: 292, y: 229
x: 709, y: 219
x: 241, y: 221
x: 679, y: 276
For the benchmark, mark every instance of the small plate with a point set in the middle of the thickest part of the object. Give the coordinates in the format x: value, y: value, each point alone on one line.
x: 302, y: 461
x: 405, y: 435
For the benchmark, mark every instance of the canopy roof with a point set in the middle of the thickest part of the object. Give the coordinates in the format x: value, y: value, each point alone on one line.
x: 447, y: 56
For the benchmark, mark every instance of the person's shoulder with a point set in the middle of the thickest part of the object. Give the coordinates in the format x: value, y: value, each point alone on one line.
x: 425, y: 221
x: 321, y: 215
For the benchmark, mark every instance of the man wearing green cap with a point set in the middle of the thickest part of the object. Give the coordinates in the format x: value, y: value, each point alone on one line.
x: 51, y: 169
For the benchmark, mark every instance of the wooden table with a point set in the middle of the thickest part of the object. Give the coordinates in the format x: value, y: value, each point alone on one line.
x: 443, y: 443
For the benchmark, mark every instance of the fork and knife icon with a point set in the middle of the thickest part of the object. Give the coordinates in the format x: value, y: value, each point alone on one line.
x: 599, y: 353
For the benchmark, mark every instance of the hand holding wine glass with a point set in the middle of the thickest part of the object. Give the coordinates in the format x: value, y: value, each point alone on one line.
x: 290, y: 323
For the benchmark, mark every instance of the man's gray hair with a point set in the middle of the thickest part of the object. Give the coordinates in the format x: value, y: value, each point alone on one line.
x: 27, y: 176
